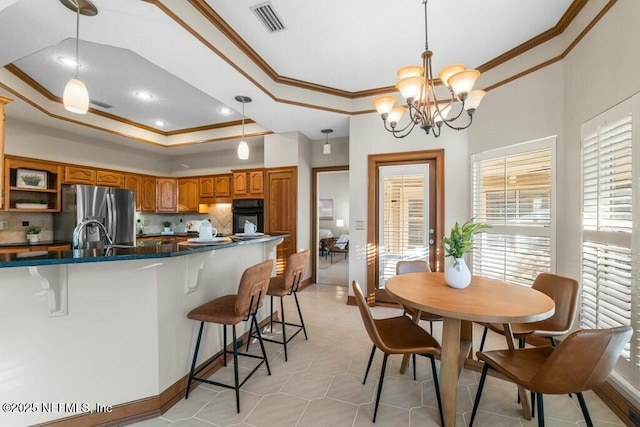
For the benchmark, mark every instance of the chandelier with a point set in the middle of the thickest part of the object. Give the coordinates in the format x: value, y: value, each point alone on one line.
x: 417, y: 86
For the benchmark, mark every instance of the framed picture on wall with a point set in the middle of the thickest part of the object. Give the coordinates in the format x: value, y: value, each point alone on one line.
x: 325, y: 209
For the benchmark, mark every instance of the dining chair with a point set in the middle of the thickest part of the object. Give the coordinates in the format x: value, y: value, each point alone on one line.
x: 396, y: 335
x: 564, y: 292
x: 229, y: 310
x: 581, y: 362
x: 417, y: 266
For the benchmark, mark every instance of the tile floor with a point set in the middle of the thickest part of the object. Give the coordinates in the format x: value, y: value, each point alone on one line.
x: 321, y: 384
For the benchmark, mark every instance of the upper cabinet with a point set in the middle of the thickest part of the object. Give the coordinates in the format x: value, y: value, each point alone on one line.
x: 166, y: 195
x: 215, y: 189
x: 188, y: 195
x: 31, y: 186
x: 148, y: 194
x: 248, y: 184
x: 91, y: 176
x: 79, y: 175
x: 109, y: 178
x: 134, y: 182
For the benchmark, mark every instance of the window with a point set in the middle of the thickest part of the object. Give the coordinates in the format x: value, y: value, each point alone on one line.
x: 608, y: 222
x: 513, y: 191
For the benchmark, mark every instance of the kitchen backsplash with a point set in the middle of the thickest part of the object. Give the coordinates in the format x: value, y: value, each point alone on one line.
x: 220, y: 216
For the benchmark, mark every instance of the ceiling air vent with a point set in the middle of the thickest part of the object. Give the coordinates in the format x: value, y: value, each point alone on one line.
x: 269, y: 17
x: 100, y: 104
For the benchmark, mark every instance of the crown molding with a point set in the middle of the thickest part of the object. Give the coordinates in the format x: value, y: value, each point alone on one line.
x: 50, y: 96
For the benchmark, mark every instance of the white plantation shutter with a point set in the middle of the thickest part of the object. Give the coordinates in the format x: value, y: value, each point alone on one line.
x: 403, y: 229
x: 513, y: 192
x: 608, y: 218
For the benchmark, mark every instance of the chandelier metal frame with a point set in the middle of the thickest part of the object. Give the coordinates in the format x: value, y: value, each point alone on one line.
x: 417, y: 85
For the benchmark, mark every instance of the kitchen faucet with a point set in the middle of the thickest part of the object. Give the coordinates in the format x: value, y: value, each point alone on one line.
x: 76, y: 232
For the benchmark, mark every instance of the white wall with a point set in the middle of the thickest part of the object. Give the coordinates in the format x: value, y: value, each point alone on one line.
x: 339, y: 152
x: 367, y: 136
x: 216, y: 162
x: 30, y: 140
x: 335, y: 186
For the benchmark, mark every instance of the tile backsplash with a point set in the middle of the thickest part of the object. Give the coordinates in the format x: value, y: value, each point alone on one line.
x: 220, y: 216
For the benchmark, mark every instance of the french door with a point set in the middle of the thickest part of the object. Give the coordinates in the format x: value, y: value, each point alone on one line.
x: 406, y: 214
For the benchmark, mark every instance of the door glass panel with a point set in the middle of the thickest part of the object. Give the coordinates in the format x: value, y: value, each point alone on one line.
x: 404, y: 224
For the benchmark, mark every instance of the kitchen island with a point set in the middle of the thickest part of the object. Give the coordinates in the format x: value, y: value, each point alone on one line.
x: 105, y: 336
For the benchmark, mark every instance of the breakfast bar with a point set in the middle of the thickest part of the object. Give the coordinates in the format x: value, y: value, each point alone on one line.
x: 111, y: 325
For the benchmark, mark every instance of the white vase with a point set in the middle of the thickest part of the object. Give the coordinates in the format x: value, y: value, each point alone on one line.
x: 33, y: 238
x: 456, y: 273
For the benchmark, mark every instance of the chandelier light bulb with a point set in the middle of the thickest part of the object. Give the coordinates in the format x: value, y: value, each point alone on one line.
x: 449, y: 71
x: 384, y: 104
x: 76, y: 97
x: 473, y: 99
x: 410, y: 71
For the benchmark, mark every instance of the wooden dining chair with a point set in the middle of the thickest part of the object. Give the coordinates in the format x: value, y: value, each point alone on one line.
x: 396, y: 335
x: 417, y: 266
x: 564, y: 292
x: 581, y: 362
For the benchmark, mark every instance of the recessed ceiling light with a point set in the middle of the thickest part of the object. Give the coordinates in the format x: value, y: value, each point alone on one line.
x: 68, y: 61
x: 225, y: 111
x: 159, y: 123
x: 143, y: 95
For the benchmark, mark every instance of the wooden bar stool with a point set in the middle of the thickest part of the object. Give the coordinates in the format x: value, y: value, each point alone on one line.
x: 282, y: 286
x: 231, y: 310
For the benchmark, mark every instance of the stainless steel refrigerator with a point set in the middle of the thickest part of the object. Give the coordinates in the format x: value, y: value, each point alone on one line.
x: 115, y: 208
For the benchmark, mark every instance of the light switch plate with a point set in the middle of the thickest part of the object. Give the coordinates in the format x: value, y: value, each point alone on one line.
x: 359, y: 225
x: 4, y: 225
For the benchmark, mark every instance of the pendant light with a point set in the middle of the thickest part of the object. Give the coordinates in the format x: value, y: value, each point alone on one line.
x: 243, y: 147
x: 326, y: 148
x: 76, y: 97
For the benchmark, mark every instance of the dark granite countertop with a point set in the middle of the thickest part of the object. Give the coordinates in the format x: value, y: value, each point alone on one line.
x: 145, y: 250
x: 39, y: 243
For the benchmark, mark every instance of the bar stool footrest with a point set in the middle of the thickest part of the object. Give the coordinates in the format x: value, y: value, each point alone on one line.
x: 300, y: 328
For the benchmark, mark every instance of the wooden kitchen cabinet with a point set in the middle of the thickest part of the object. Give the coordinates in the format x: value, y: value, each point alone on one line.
x: 222, y: 185
x: 207, y: 188
x: 280, y: 211
x: 148, y: 194
x: 79, y: 175
x: 215, y: 189
x: 188, y: 195
x: 20, y: 197
x: 134, y: 182
x: 110, y: 179
x: 249, y: 184
x: 166, y: 195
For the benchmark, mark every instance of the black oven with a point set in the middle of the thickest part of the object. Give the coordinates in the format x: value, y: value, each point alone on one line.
x: 251, y: 210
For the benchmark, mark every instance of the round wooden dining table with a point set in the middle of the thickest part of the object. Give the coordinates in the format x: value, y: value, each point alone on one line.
x: 484, y: 300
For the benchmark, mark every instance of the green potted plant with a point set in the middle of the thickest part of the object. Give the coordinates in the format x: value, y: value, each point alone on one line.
x: 167, y: 226
x: 459, y: 242
x: 33, y: 233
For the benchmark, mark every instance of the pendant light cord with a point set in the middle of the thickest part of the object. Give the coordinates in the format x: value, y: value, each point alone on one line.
x: 243, y: 120
x: 77, y: 37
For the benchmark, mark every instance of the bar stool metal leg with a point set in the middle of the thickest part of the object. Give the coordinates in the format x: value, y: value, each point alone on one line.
x: 235, y: 368
x: 295, y: 296
x: 224, y: 345
x: 264, y: 353
x: 195, y: 358
x: 284, y: 328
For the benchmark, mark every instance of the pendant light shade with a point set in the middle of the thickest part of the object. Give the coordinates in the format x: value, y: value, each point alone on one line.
x: 76, y: 97
x: 243, y: 150
x: 326, y: 148
x: 243, y: 147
